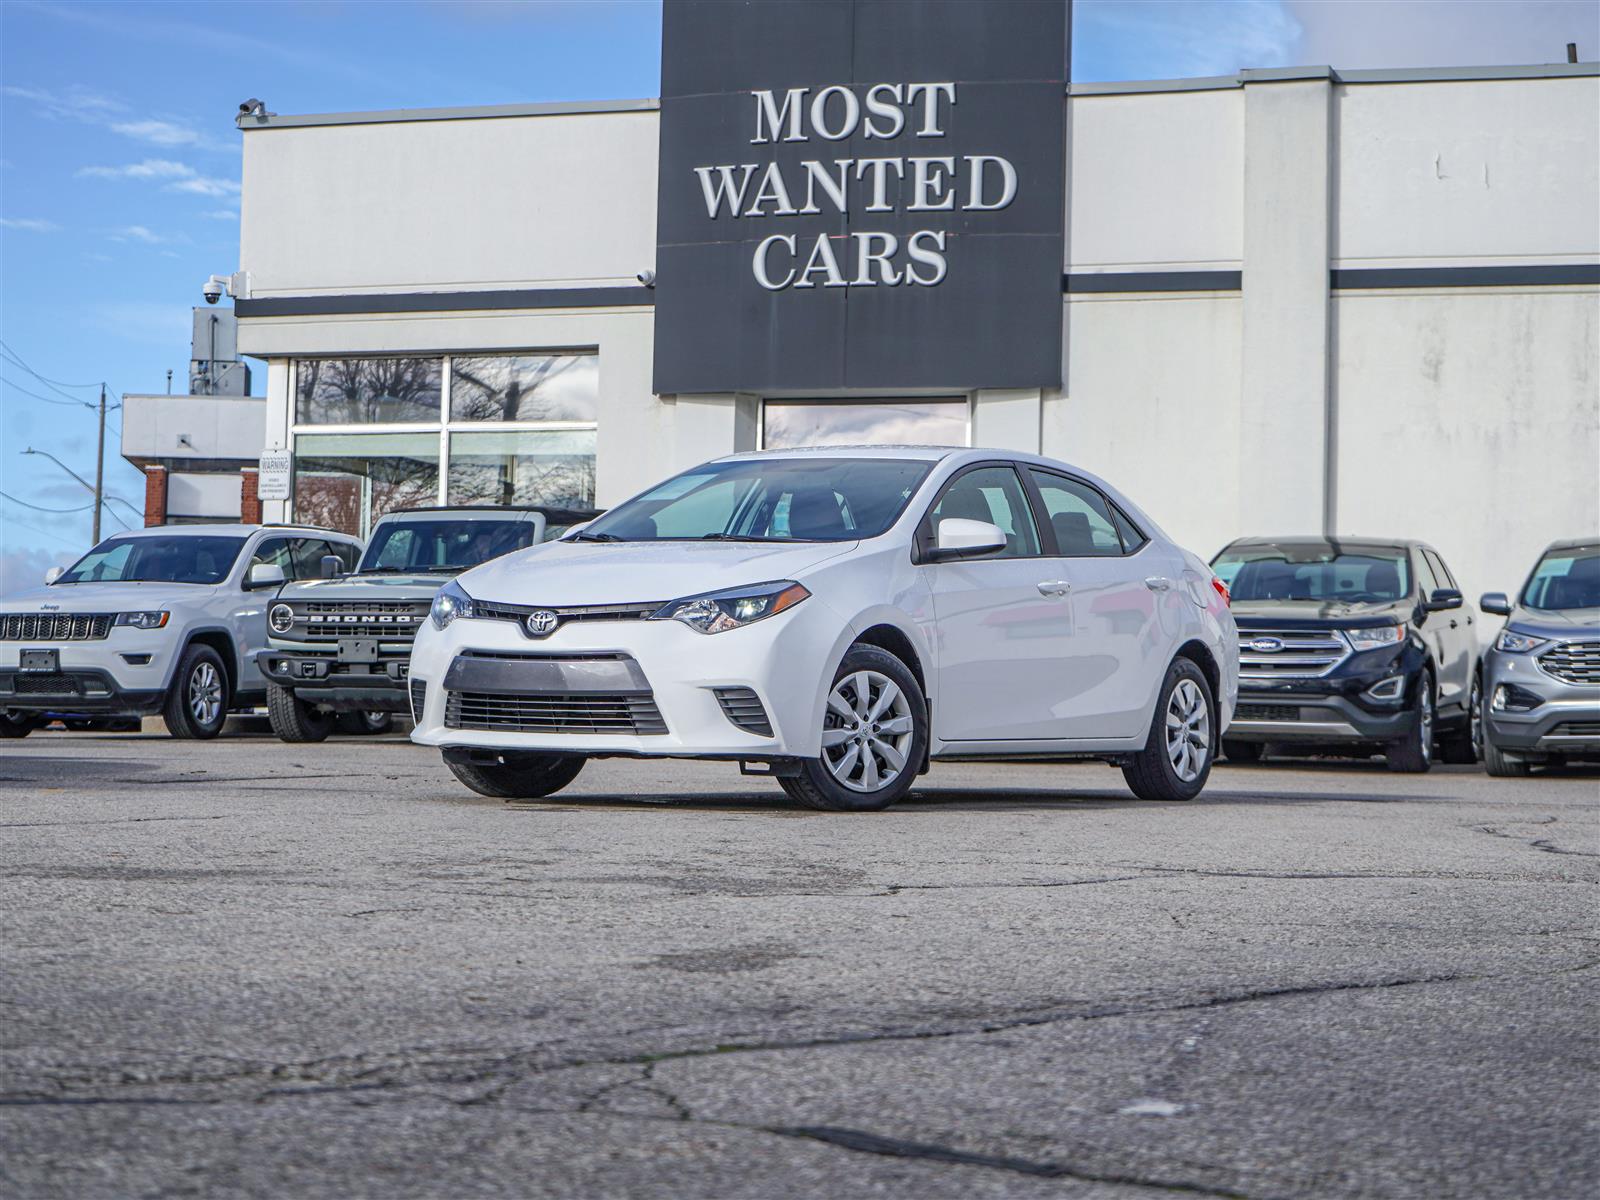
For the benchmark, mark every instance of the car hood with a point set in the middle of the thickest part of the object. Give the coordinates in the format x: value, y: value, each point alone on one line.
x: 572, y: 573
x: 1257, y: 614
x: 107, y: 597
x: 1556, y: 623
x: 369, y: 588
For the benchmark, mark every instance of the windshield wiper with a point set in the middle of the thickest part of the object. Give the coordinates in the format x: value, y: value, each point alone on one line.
x: 585, y: 536
x: 735, y: 537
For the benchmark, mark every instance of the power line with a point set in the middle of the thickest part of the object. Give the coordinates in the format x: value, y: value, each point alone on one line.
x: 17, y: 358
x: 41, y: 508
x: 47, y: 399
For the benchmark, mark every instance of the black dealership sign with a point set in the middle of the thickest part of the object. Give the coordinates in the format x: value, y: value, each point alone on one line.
x: 860, y: 194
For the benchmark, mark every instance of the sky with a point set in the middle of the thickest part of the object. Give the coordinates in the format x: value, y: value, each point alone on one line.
x: 119, y: 159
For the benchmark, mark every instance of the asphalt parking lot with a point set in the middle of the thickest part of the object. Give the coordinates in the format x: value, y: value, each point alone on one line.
x: 250, y: 969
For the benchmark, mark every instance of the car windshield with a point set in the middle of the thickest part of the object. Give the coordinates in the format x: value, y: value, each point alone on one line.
x: 178, y: 559
x: 1319, y: 572
x: 1565, y: 579
x: 426, y: 546
x: 821, y: 499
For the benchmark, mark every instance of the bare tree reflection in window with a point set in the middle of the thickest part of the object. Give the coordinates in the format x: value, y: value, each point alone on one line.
x: 368, y: 391
x: 531, y: 387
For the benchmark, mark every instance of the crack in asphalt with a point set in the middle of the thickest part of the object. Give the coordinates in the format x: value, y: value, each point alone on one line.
x: 1542, y: 844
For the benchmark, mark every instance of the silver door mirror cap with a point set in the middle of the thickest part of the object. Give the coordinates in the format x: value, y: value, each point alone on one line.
x: 53, y: 574
x: 265, y: 575
x: 960, y: 537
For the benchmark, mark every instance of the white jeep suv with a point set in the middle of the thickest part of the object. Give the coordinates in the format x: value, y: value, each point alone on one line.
x: 163, y: 620
x: 839, y: 618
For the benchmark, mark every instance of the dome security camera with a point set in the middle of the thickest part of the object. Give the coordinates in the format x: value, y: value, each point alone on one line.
x: 647, y: 277
x: 213, y: 288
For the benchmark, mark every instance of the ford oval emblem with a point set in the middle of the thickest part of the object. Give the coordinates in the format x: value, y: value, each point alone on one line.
x: 1266, y: 645
x: 541, y: 623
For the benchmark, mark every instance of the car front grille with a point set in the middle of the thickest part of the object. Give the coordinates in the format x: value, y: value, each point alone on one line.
x: 54, y: 627
x: 44, y: 685
x: 1573, y: 662
x: 1266, y: 712
x: 552, y: 712
x: 328, y: 621
x: 1584, y: 729
x: 1290, y: 653
x: 419, y: 697
x: 495, y: 611
x: 743, y: 707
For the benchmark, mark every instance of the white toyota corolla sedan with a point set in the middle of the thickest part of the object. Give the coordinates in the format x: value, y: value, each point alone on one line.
x: 838, y: 618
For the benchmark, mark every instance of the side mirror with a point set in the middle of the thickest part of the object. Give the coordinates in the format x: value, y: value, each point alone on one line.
x: 962, y: 538
x: 53, y: 574
x: 1495, y: 603
x: 330, y: 566
x: 1442, y: 599
x: 264, y: 575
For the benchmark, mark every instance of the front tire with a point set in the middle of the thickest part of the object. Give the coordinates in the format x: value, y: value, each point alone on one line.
x: 1413, y: 753
x: 515, y: 776
x: 874, y: 736
x: 17, y: 724
x: 1176, y: 760
x: 293, y: 719
x: 365, y: 723
x: 1460, y: 748
x: 197, y: 703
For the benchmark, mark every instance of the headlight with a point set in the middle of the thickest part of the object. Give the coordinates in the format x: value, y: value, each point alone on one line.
x: 281, y: 618
x: 1373, y: 639
x: 143, y: 620
x: 449, y: 603
x: 718, y: 612
x: 1517, y: 643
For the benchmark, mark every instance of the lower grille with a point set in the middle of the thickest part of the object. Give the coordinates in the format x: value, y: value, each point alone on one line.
x: 1577, y: 729
x: 552, y: 712
x: 419, y: 697
x: 743, y: 707
x: 44, y: 685
x: 54, y: 627
x: 1266, y: 712
x: 1574, y: 662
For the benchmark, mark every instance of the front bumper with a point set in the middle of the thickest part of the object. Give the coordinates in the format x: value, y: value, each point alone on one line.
x: 633, y: 687
x: 1338, y: 707
x: 320, y: 676
x: 1566, y: 719
x: 122, y: 674
x: 75, y: 690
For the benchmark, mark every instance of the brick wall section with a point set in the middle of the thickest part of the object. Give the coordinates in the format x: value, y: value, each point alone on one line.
x: 249, y: 501
x: 155, y: 496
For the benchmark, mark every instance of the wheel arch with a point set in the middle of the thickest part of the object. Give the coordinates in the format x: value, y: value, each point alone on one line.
x: 219, y: 639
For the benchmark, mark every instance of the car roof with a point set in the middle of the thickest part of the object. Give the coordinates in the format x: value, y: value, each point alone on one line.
x: 1338, y: 539
x: 227, y: 530
x: 1582, y: 543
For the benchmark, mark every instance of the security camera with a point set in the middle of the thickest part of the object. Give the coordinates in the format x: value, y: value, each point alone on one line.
x: 648, y: 278
x: 253, y: 108
x: 214, y: 287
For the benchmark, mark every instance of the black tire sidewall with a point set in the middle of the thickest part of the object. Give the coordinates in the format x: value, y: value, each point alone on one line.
x: 816, y: 785
x: 179, y: 719
x: 525, y: 780
x: 1154, y: 765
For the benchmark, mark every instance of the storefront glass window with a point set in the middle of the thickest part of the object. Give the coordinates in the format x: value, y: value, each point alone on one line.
x: 368, y: 391
x: 790, y: 423
x: 346, y: 481
x: 525, y: 387
x: 554, y: 468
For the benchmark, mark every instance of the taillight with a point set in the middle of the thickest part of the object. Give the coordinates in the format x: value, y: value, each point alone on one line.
x: 1222, y: 590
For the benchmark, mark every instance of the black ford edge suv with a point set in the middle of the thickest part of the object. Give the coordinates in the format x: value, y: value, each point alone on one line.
x: 1349, y: 645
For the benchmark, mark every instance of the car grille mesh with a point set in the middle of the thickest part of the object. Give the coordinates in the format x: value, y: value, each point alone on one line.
x: 555, y: 712
x: 1574, y: 662
x: 1267, y: 712
x: 54, y: 627
x: 419, y: 698
x: 44, y: 685
x: 1290, y: 653
x: 1584, y: 729
x: 327, y: 620
x: 743, y: 707
x: 495, y: 611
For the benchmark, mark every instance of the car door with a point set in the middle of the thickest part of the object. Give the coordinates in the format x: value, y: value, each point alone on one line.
x: 1001, y: 632
x: 1457, y: 639
x: 249, y: 614
x: 1120, y: 644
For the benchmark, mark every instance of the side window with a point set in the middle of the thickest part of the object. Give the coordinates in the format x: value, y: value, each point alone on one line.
x: 1079, y: 516
x: 1132, y: 536
x: 307, y: 555
x: 1425, y: 576
x: 1440, y: 571
x: 995, y: 495
x: 276, y: 552
x: 348, y: 554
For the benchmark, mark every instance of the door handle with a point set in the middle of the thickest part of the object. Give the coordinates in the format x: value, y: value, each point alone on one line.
x: 1157, y: 584
x: 1452, y: 622
x: 1054, y: 587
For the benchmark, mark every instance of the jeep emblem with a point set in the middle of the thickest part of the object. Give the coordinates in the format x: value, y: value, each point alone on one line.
x: 542, y: 623
x: 1266, y: 645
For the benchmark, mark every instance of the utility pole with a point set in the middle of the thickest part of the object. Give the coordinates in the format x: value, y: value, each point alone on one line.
x: 100, y: 467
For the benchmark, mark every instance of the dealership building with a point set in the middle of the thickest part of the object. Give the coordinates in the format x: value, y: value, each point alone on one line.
x: 1288, y: 301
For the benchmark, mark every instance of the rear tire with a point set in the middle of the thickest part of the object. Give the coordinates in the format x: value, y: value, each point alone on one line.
x: 364, y: 723
x: 517, y: 776
x: 17, y: 724
x: 197, y: 702
x: 293, y: 719
x: 1242, y: 752
x: 1460, y: 748
x: 875, y: 735
x: 1502, y: 764
x: 1413, y: 753
x: 1176, y: 760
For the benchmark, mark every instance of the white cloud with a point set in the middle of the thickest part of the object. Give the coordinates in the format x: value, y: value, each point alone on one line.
x: 29, y: 224
x: 77, y: 103
x: 221, y: 214
x: 21, y: 569
x: 140, y: 233
x: 150, y: 168
x: 160, y: 133
x: 205, y: 185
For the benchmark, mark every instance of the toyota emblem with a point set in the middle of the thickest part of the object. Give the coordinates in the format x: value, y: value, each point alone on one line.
x: 1266, y: 645
x: 542, y: 623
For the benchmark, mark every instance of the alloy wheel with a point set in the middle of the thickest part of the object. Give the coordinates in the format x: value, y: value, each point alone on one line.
x: 205, y: 693
x: 867, y: 731
x: 1188, y: 730
x: 1425, y: 720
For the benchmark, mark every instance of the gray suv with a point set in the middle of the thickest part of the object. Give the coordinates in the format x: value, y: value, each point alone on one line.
x: 1539, y: 697
x: 339, y: 647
